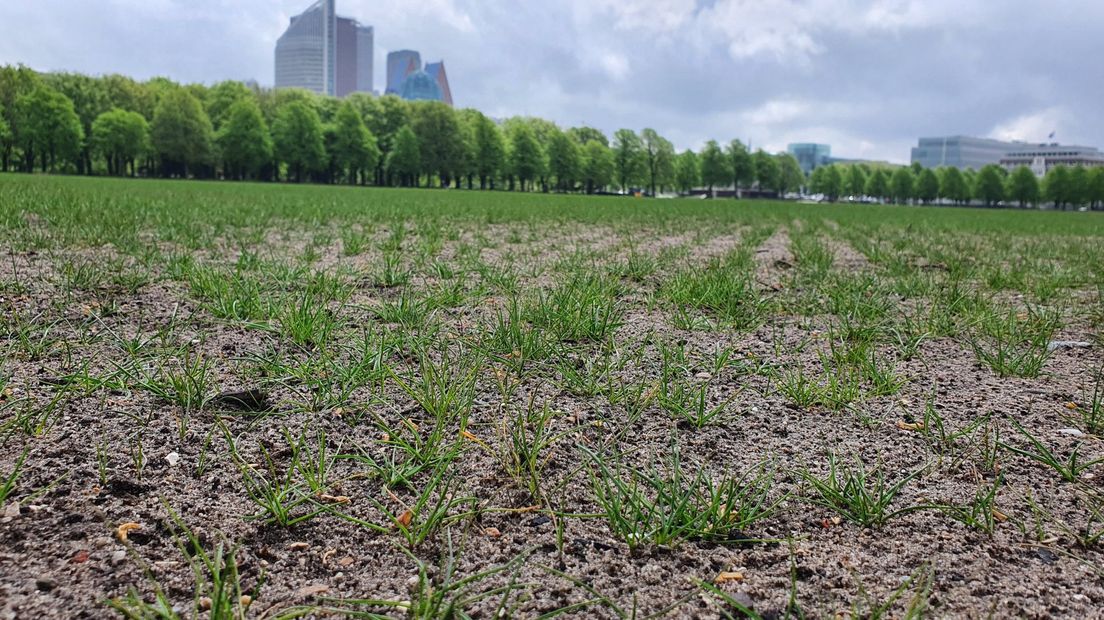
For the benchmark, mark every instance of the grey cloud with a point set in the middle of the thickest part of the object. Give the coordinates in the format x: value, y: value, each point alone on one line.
x: 871, y: 76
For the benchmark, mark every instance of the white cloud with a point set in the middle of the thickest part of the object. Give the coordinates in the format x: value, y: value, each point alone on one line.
x: 866, y: 76
x: 1033, y: 127
x: 615, y: 65
x: 651, y: 16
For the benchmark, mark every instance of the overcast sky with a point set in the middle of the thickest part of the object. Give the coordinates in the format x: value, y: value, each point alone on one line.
x: 867, y: 77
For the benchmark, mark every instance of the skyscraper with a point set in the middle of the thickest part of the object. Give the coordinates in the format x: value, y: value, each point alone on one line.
x: 436, y: 70
x: 399, y: 65
x: 305, y: 53
x: 354, y: 57
x: 325, y: 53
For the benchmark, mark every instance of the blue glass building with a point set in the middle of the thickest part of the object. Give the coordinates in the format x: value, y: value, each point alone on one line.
x: 810, y: 156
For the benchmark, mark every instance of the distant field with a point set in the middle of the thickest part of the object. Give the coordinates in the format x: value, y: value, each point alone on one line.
x: 294, y: 401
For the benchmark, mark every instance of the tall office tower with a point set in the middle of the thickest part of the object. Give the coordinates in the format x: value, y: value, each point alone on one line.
x: 346, y: 56
x: 325, y: 53
x: 399, y: 65
x: 436, y: 70
x: 306, y: 54
x: 366, y: 49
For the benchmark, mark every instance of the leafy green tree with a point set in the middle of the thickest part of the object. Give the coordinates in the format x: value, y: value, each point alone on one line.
x: 790, y: 176
x: 598, y: 165
x: 90, y: 100
x: 628, y: 157
x: 1096, y: 188
x: 659, y: 159
x: 5, y: 139
x: 181, y: 133
x: 990, y: 185
x: 855, y: 180
x: 47, y: 128
x: 468, y: 119
x: 953, y: 185
x: 877, y: 185
x: 1079, y: 186
x: 543, y: 131
x: 927, y: 186
x: 901, y: 185
x: 384, y: 117
x: 828, y: 181
x: 526, y: 159
x: 404, y: 162
x: 244, y: 140
x: 1057, y: 186
x: 687, y: 171
x: 716, y: 168
x: 563, y: 160
x: 766, y: 169
x: 221, y: 98
x: 586, y: 135
x: 120, y: 137
x: 298, y: 139
x: 440, y: 140
x: 14, y: 83
x: 125, y: 93
x: 970, y: 177
x: 1023, y: 186
x: 355, y: 149
x: 740, y: 166
x: 490, y: 152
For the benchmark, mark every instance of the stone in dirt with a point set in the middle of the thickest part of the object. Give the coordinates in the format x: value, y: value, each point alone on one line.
x: 1055, y: 345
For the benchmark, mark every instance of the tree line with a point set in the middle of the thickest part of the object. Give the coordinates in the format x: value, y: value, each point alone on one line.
x: 114, y: 125
x: 1062, y: 186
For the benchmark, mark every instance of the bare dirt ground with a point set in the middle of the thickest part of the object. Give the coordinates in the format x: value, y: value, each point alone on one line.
x: 100, y: 447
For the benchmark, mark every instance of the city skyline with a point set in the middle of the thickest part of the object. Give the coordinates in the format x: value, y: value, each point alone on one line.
x: 776, y: 74
x: 324, y: 52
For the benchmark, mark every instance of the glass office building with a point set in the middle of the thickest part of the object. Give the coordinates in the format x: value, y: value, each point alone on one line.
x: 400, y: 64
x: 810, y: 156
x: 436, y: 70
x: 961, y: 152
x: 325, y: 53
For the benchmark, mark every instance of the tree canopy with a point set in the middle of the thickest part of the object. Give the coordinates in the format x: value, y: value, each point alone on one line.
x: 181, y: 133
x: 355, y: 150
x: 244, y: 140
x: 121, y: 138
x: 47, y: 128
x: 71, y: 123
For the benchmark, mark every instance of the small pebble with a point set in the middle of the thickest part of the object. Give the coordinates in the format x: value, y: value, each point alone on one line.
x: 1054, y: 345
x: 173, y: 458
x: 118, y: 557
x: 1047, y: 556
